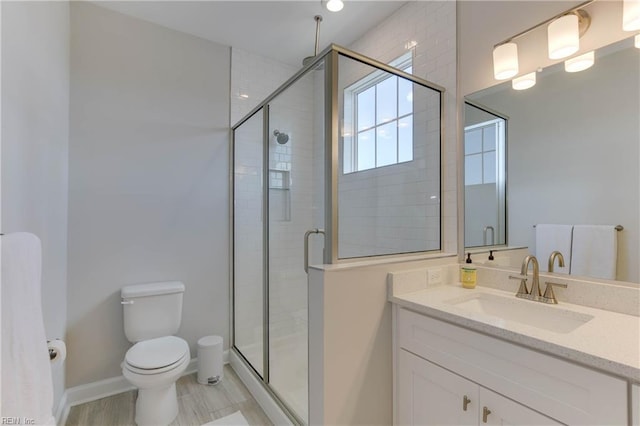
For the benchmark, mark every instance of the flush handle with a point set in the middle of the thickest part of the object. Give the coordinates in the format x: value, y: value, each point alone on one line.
x: 126, y: 302
x: 465, y: 402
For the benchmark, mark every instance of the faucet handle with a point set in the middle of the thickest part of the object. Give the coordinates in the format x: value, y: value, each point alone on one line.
x: 522, y: 290
x: 549, y: 296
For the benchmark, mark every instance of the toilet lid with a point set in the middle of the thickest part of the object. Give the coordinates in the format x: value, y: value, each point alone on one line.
x: 156, y: 353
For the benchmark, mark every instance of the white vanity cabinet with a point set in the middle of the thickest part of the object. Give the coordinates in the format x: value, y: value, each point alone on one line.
x: 430, y: 395
x: 438, y: 364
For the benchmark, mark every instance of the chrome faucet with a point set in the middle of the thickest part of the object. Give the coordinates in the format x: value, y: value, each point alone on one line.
x: 552, y: 258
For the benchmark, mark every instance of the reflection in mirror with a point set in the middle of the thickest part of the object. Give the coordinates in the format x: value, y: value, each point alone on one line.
x: 574, y: 152
x: 484, y: 176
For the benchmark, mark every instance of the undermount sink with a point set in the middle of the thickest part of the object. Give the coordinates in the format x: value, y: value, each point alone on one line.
x: 533, y: 314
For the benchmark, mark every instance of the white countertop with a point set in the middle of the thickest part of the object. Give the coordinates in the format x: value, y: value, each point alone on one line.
x: 609, y: 342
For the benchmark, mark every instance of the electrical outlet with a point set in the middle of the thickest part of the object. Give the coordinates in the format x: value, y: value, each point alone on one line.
x: 434, y: 276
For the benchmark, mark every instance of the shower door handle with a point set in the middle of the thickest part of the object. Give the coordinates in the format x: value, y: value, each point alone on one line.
x: 306, y: 246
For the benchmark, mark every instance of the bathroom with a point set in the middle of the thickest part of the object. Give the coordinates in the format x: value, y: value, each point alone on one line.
x: 116, y: 133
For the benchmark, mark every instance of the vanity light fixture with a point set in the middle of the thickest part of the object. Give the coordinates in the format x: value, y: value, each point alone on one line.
x: 579, y: 63
x: 334, y: 5
x: 505, y: 61
x: 524, y: 82
x: 631, y: 15
x: 637, y: 41
x: 564, y: 31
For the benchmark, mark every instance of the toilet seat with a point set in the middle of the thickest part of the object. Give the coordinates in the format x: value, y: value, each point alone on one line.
x: 156, y: 356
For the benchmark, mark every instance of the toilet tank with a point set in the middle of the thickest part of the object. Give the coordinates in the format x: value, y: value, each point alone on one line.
x: 152, y: 310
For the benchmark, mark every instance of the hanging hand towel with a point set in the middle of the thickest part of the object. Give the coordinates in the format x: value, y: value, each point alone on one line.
x: 27, y: 388
x: 595, y: 251
x: 551, y: 238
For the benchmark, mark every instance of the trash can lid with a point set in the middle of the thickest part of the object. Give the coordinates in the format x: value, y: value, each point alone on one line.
x: 209, y: 341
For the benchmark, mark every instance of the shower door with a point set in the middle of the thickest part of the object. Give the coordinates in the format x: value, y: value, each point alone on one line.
x: 278, y: 158
x: 296, y: 193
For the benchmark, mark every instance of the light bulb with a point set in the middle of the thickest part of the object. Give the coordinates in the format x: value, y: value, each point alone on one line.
x: 579, y: 63
x: 524, y: 82
x: 631, y: 15
x: 505, y: 61
x: 563, y: 37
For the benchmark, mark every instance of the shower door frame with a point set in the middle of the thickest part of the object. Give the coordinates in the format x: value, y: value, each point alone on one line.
x: 330, y: 56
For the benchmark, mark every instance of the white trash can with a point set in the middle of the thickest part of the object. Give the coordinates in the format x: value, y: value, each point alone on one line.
x: 210, y: 363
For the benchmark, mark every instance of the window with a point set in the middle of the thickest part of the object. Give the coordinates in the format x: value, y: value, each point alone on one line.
x: 481, y: 144
x: 379, y: 120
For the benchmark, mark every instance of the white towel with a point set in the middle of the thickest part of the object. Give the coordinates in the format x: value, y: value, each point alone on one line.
x: 550, y: 238
x: 594, y: 251
x: 27, y: 388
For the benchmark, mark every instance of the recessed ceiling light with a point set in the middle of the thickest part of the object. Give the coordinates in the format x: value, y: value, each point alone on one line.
x: 335, y: 5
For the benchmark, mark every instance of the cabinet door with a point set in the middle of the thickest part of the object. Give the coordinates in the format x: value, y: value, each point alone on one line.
x: 503, y: 412
x: 431, y: 395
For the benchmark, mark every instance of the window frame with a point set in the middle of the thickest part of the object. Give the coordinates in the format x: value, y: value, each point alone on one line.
x: 351, y: 92
x: 500, y: 128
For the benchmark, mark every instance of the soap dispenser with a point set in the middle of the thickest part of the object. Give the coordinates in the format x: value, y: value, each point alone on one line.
x: 491, y: 259
x: 468, y: 273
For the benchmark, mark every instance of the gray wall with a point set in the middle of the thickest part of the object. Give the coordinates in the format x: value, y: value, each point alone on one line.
x: 148, y: 193
x: 35, y: 141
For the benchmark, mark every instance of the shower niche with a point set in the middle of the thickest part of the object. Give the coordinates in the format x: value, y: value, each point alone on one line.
x: 360, y: 179
x: 279, y: 195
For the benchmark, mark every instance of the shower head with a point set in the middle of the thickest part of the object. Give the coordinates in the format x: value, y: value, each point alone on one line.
x: 281, y: 138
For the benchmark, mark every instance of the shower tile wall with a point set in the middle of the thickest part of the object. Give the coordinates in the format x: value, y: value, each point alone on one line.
x: 253, y: 78
x: 432, y: 25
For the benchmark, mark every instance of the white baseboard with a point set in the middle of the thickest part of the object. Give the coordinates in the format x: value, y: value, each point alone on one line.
x: 262, y: 397
x: 103, y: 388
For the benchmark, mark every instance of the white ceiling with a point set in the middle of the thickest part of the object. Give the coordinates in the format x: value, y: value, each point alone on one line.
x: 282, y: 30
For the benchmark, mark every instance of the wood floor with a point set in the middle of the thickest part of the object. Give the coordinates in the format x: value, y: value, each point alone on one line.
x: 197, y: 404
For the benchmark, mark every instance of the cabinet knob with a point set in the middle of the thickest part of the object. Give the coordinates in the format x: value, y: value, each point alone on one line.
x: 465, y: 402
x: 485, y: 414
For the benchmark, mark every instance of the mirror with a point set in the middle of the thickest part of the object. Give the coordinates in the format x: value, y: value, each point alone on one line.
x: 485, y: 135
x: 572, y: 153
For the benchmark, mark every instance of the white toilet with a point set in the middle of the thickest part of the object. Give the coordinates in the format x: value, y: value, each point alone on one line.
x: 152, y: 314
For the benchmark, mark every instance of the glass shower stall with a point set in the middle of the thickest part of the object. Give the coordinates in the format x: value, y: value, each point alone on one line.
x: 341, y: 162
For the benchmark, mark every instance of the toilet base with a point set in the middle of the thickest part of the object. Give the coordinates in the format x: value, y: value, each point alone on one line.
x: 156, y: 406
